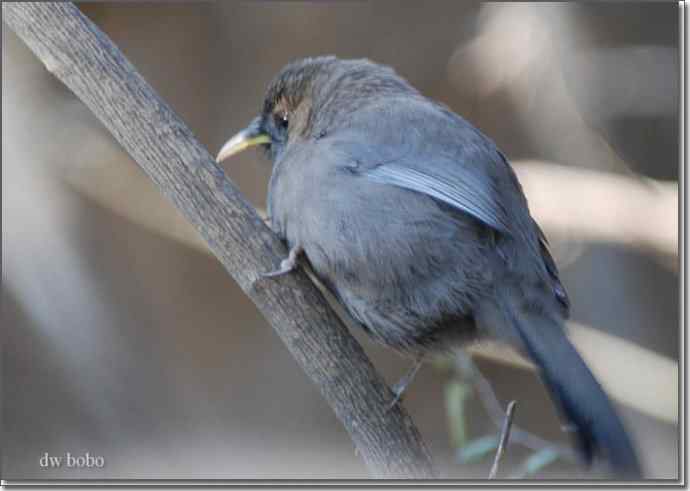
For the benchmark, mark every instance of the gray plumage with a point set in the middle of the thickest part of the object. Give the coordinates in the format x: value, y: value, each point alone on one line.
x: 418, y: 225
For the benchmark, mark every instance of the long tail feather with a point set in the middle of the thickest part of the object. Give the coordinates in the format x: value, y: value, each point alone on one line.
x: 575, y: 390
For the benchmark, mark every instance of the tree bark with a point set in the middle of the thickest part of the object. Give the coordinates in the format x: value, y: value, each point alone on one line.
x: 86, y: 60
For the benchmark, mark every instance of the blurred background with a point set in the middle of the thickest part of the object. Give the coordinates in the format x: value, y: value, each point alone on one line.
x: 123, y: 337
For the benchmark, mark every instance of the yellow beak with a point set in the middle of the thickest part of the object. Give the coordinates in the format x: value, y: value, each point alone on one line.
x: 248, y: 137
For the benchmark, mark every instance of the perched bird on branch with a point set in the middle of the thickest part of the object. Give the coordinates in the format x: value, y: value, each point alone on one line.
x: 417, y: 223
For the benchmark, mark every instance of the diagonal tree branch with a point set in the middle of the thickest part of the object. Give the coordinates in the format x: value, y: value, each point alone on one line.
x: 84, y: 58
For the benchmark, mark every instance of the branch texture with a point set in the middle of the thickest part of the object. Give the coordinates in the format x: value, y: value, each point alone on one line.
x: 84, y: 59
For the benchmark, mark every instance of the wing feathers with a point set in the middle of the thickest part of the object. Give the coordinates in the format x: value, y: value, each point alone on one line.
x: 463, y: 194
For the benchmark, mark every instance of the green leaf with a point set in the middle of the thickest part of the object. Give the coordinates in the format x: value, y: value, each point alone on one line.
x: 457, y: 394
x: 477, y: 449
x: 442, y: 363
x: 536, y: 462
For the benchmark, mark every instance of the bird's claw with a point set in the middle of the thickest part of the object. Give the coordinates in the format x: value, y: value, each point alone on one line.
x: 286, y: 265
x: 399, y: 388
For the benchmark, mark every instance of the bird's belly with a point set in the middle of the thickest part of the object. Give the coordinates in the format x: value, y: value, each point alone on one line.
x: 412, y: 281
x: 410, y: 326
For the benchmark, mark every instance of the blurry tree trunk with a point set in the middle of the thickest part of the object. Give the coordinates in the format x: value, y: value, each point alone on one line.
x: 81, y: 56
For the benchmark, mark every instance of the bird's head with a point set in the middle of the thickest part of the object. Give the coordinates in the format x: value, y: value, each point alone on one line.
x: 308, y: 98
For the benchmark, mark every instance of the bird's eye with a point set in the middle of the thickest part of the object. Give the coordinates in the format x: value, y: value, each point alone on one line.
x: 282, y: 120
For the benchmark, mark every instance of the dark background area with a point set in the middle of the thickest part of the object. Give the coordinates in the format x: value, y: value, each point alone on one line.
x: 124, y: 338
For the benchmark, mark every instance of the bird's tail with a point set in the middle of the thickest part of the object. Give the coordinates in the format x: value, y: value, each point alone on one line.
x: 599, y: 430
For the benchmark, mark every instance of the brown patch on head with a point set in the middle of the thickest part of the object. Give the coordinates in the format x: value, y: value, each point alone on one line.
x: 299, y: 118
x: 294, y: 110
x: 282, y: 107
x: 290, y: 93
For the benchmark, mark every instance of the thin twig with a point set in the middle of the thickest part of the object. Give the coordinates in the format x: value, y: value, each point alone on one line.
x: 505, y: 434
x: 488, y: 398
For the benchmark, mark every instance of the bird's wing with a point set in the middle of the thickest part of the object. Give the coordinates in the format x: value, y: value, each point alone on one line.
x: 437, y: 154
x: 466, y: 192
x: 559, y: 289
x: 427, y: 149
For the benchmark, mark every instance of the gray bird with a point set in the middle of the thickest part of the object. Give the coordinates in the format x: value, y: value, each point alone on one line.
x: 417, y: 223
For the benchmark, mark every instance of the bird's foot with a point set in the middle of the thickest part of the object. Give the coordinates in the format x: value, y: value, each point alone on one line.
x: 400, y: 387
x: 396, y: 399
x: 286, y: 265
